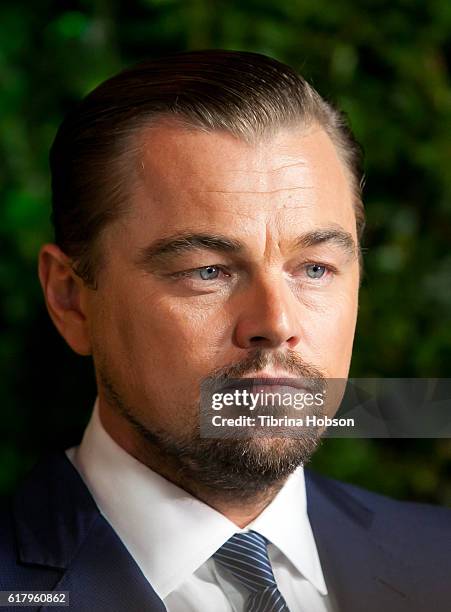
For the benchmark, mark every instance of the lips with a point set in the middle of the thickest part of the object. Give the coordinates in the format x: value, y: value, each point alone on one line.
x: 281, y: 384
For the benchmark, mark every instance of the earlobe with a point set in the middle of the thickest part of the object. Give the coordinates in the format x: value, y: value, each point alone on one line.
x: 64, y: 292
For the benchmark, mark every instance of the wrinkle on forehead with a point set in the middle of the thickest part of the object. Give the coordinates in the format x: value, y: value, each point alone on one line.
x: 295, y: 164
x: 270, y: 192
x: 188, y: 173
x: 230, y: 158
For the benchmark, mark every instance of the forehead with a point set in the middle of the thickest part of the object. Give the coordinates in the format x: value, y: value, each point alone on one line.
x: 216, y: 181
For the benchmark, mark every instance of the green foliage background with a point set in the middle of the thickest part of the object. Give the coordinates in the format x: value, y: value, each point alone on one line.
x: 386, y: 63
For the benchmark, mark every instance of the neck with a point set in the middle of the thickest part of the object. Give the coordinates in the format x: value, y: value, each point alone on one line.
x: 237, y: 508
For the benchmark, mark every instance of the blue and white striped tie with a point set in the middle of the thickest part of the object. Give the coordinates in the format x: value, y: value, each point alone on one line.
x: 245, y: 556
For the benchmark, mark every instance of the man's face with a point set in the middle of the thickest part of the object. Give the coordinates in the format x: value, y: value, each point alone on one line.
x: 229, y: 252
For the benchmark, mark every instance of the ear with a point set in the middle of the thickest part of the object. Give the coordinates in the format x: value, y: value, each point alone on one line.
x: 65, y: 296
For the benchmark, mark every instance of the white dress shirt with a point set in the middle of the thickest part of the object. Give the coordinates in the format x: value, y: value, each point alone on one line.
x: 172, y: 535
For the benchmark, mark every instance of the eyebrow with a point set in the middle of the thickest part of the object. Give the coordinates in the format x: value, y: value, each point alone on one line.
x: 162, y: 250
x: 333, y: 235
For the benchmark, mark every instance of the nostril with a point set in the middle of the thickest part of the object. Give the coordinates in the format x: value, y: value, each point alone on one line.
x: 257, y: 338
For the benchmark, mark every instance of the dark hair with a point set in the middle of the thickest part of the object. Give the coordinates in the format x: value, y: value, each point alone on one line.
x: 247, y: 94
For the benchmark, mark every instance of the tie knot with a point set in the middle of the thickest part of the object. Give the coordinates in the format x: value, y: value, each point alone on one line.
x: 245, y: 556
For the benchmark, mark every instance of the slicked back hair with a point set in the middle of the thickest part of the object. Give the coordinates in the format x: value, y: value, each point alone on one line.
x: 246, y: 94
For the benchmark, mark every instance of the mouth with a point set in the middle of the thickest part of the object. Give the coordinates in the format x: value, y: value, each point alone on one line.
x: 262, y: 381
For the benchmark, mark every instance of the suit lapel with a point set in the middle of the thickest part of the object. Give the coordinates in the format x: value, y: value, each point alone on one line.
x: 104, y: 577
x: 59, y: 525
x: 360, y: 570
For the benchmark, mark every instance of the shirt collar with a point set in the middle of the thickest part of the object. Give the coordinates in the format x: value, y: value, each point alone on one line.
x: 285, y: 523
x: 170, y: 533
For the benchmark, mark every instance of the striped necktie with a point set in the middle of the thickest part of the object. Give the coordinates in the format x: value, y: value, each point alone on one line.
x: 245, y: 556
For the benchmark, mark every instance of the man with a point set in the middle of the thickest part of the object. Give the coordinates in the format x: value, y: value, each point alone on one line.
x: 207, y: 214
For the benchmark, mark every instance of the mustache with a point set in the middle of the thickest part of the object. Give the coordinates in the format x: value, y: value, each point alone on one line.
x: 289, y: 361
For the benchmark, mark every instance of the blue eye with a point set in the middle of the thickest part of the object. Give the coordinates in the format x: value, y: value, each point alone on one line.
x: 209, y: 273
x: 315, y: 271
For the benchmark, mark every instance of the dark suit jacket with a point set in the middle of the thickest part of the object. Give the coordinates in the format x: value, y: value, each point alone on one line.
x: 377, y: 554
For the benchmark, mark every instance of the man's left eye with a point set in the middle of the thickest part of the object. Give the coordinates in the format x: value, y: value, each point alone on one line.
x: 315, y: 271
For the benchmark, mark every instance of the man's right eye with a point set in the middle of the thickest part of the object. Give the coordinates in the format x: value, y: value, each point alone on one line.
x: 205, y: 273
x: 209, y: 273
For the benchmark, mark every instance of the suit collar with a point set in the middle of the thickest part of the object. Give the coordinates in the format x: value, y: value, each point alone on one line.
x: 354, y: 545
x: 53, y: 501
x: 58, y: 525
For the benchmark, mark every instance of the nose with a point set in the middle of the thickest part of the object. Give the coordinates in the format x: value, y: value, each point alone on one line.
x: 268, y: 316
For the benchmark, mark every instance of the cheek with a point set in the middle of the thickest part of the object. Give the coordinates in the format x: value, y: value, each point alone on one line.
x: 170, y: 336
x: 328, y: 333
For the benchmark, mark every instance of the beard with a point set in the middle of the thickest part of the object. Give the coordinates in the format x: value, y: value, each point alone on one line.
x: 229, y: 468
